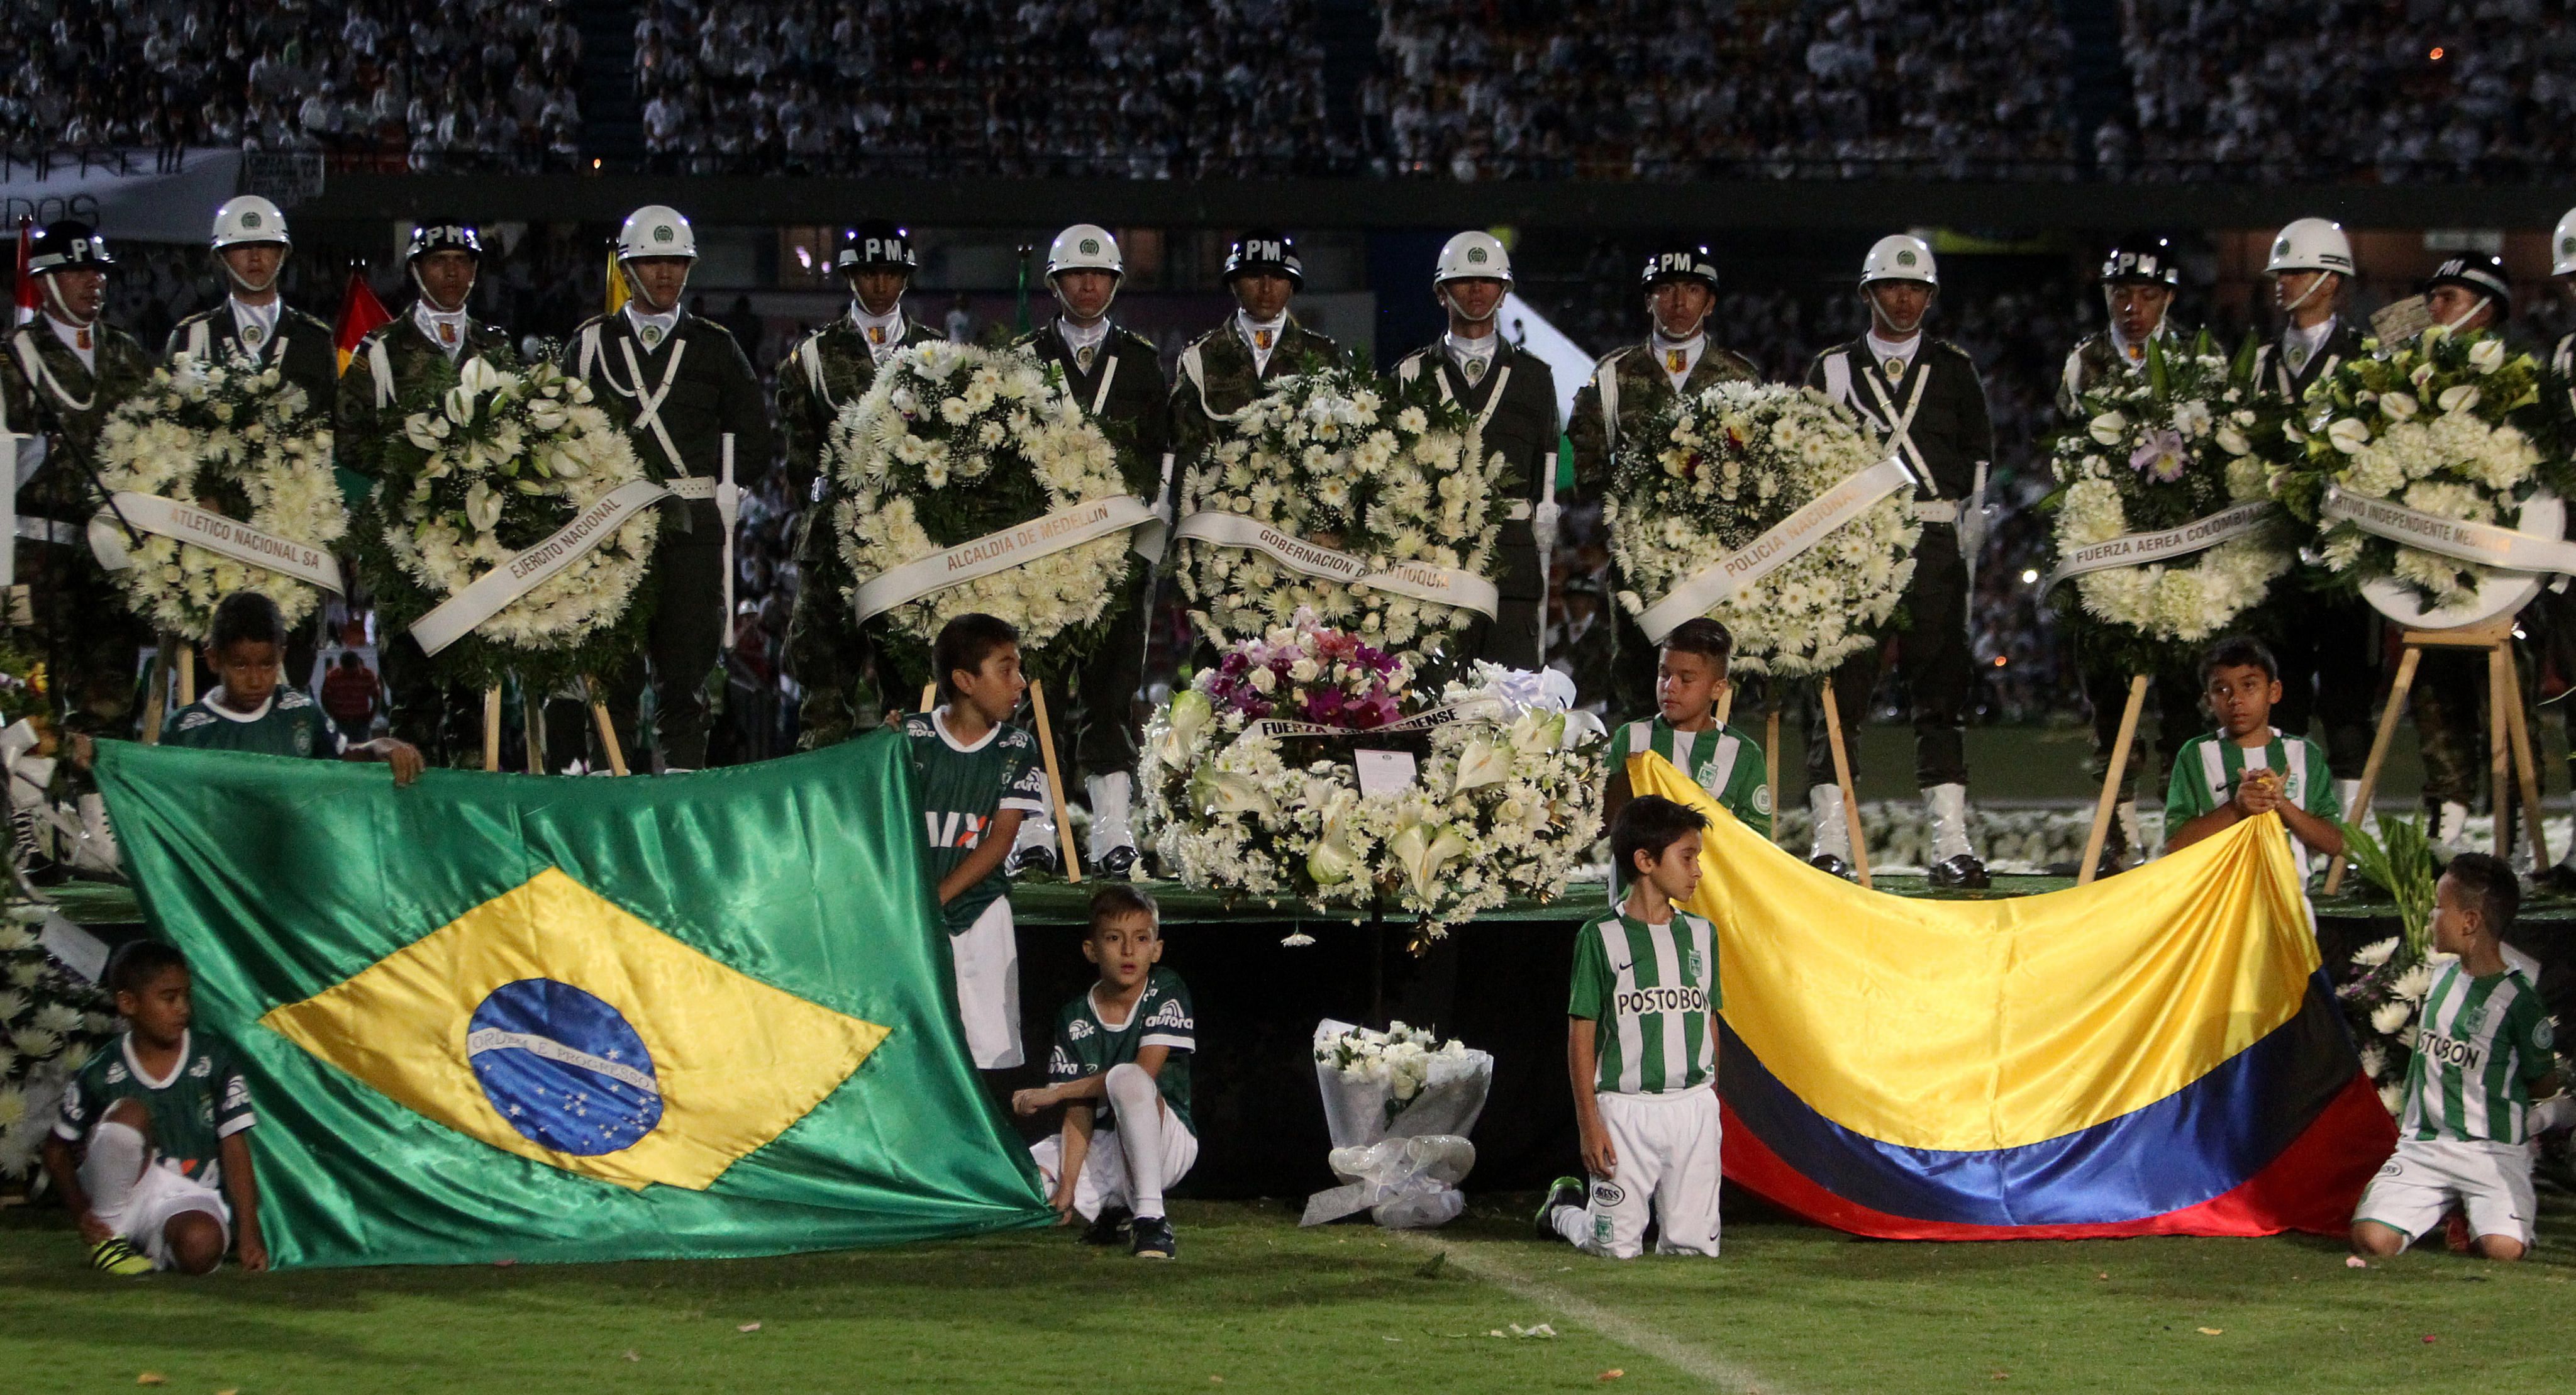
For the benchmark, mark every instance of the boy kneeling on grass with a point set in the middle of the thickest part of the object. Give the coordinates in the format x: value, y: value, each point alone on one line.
x: 2246, y: 768
x: 2482, y: 1051
x: 1641, y: 1046
x: 1125, y: 1046
x: 152, y: 1128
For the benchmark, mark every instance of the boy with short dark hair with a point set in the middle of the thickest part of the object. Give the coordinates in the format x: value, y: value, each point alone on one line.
x: 158, y: 1124
x: 979, y: 777
x: 1125, y: 1043
x: 2482, y: 1052
x: 2247, y: 768
x: 1690, y: 676
x: 1641, y: 1047
x: 249, y: 710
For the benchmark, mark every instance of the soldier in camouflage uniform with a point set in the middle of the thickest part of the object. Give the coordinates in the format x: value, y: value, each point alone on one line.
x: 1116, y: 376
x: 1628, y: 386
x: 1223, y: 371
x: 443, y: 260
x: 828, y: 370
x: 64, y: 373
x: 2556, y: 612
x: 2139, y: 281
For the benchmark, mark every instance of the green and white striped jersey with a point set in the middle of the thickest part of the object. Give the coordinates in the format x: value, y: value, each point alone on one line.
x: 1722, y: 761
x: 2479, y: 1043
x: 1652, y: 991
x: 2207, y: 768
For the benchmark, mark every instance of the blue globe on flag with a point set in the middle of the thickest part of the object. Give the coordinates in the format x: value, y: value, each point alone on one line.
x: 563, y: 1067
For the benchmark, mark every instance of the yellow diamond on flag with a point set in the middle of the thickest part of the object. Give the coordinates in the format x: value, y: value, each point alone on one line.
x: 550, y: 1022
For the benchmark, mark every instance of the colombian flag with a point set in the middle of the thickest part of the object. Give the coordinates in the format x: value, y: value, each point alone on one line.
x: 500, y: 1016
x: 2157, y: 1054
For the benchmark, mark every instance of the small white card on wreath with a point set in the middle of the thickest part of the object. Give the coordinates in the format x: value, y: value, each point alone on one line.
x: 1385, y: 772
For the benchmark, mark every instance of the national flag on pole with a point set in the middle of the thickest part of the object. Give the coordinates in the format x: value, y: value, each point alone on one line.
x: 24, y: 285
x: 2156, y: 1055
x: 509, y: 1017
x: 617, y: 288
x: 360, y: 313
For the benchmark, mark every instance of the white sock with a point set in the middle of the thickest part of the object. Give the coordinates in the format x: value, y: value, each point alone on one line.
x: 114, y: 1163
x: 1138, y: 1104
x: 1572, y: 1222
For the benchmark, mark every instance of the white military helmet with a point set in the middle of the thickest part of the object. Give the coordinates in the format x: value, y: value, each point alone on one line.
x: 1472, y: 256
x: 2311, y: 244
x: 1085, y: 247
x: 248, y: 220
x: 2562, y: 246
x: 656, y: 230
x: 1900, y: 257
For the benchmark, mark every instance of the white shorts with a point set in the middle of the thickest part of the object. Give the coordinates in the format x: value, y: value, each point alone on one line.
x: 2417, y: 1187
x: 988, y: 987
x: 1103, y: 1182
x: 1668, y: 1168
x: 161, y: 1193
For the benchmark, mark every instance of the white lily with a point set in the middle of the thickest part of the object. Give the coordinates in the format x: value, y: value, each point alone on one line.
x: 2461, y: 398
x: 1224, y: 792
x: 2348, y: 435
x: 2399, y: 406
x: 2110, y: 428
x: 482, y: 506
x: 1422, y: 850
x: 2486, y: 355
x: 1482, y: 763
x: 2233, y: 441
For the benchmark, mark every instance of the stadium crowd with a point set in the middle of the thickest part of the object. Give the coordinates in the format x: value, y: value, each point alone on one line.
x: 476, y: 86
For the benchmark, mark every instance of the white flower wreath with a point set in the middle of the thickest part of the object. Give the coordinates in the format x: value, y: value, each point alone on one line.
x: 239, y: 436
x: 1712, y: 472
x: 957, y: 442
x: 1330, y: 457
x: 2178, y: 437
x: 521, y: 452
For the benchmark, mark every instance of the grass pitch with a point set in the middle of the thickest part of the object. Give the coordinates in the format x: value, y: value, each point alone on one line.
x: 1255, y: 1303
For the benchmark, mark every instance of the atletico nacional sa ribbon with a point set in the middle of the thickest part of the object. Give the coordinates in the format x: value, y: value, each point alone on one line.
x: 526, y: 571
x: 2483, y: 544
x: 1437, y: 717
x: 2141, y: 549
x: 1418, y: 580
x: 1713, y: 585
x: 1010, y: 547
x: 228, y: 537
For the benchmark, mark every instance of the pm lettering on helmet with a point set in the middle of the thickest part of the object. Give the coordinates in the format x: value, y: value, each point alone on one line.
x: 1258, y: 250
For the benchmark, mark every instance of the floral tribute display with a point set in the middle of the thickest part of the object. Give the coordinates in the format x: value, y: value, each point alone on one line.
x: 1253, y: 780
x: 1400, y: 1059
x: 1371, y: 505
x: 490, y: 462
x: 2435, y: 427
x: 2165, y: 463
x: 50, y: 1023
x: 2380, y: 1001
x: 1713, y: 473
x: 979, y: 463
x: 234, y: 438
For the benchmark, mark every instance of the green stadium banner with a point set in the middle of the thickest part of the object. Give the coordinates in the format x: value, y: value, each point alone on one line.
x: 502, y: 1017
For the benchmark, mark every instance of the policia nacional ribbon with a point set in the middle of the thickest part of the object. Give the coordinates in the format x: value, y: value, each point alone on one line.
x: 1010, y: 547
x: 529, y: 569
x: 1419, y: 580
x: 2484, y: 544
x: 1712, y: 585
x: 196, y: 527
x: 2144, y: 549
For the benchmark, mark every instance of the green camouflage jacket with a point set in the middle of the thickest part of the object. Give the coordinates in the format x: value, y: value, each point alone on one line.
x: 1217, y: 377
x: 1641, y: 388
x: 826, y: 371
x: 2095, y: 358
x: 62, y: 399
x: 389, y: 362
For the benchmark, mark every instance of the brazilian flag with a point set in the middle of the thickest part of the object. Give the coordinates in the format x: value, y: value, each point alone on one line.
x: 500, y: 1017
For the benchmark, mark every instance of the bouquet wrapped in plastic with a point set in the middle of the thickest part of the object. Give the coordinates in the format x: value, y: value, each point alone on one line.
x: 1399, y: 1105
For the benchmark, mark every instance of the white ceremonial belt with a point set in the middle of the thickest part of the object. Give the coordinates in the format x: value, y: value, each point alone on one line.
x: 2140, y: 549
x: 48, y: 530
x: 196, y: 527
x: 2484, y: 544
x: 695, y: 488
x: 1001, y: 550
x: 1937, y: 511
x: 1784, y: 541
x: 526, y: 571
x: 1420, y: 581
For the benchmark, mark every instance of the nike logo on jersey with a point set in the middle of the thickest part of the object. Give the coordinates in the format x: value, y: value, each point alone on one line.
x: 1640, y: 1001
x: 955, y: 830
x: 2449, y: 1052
